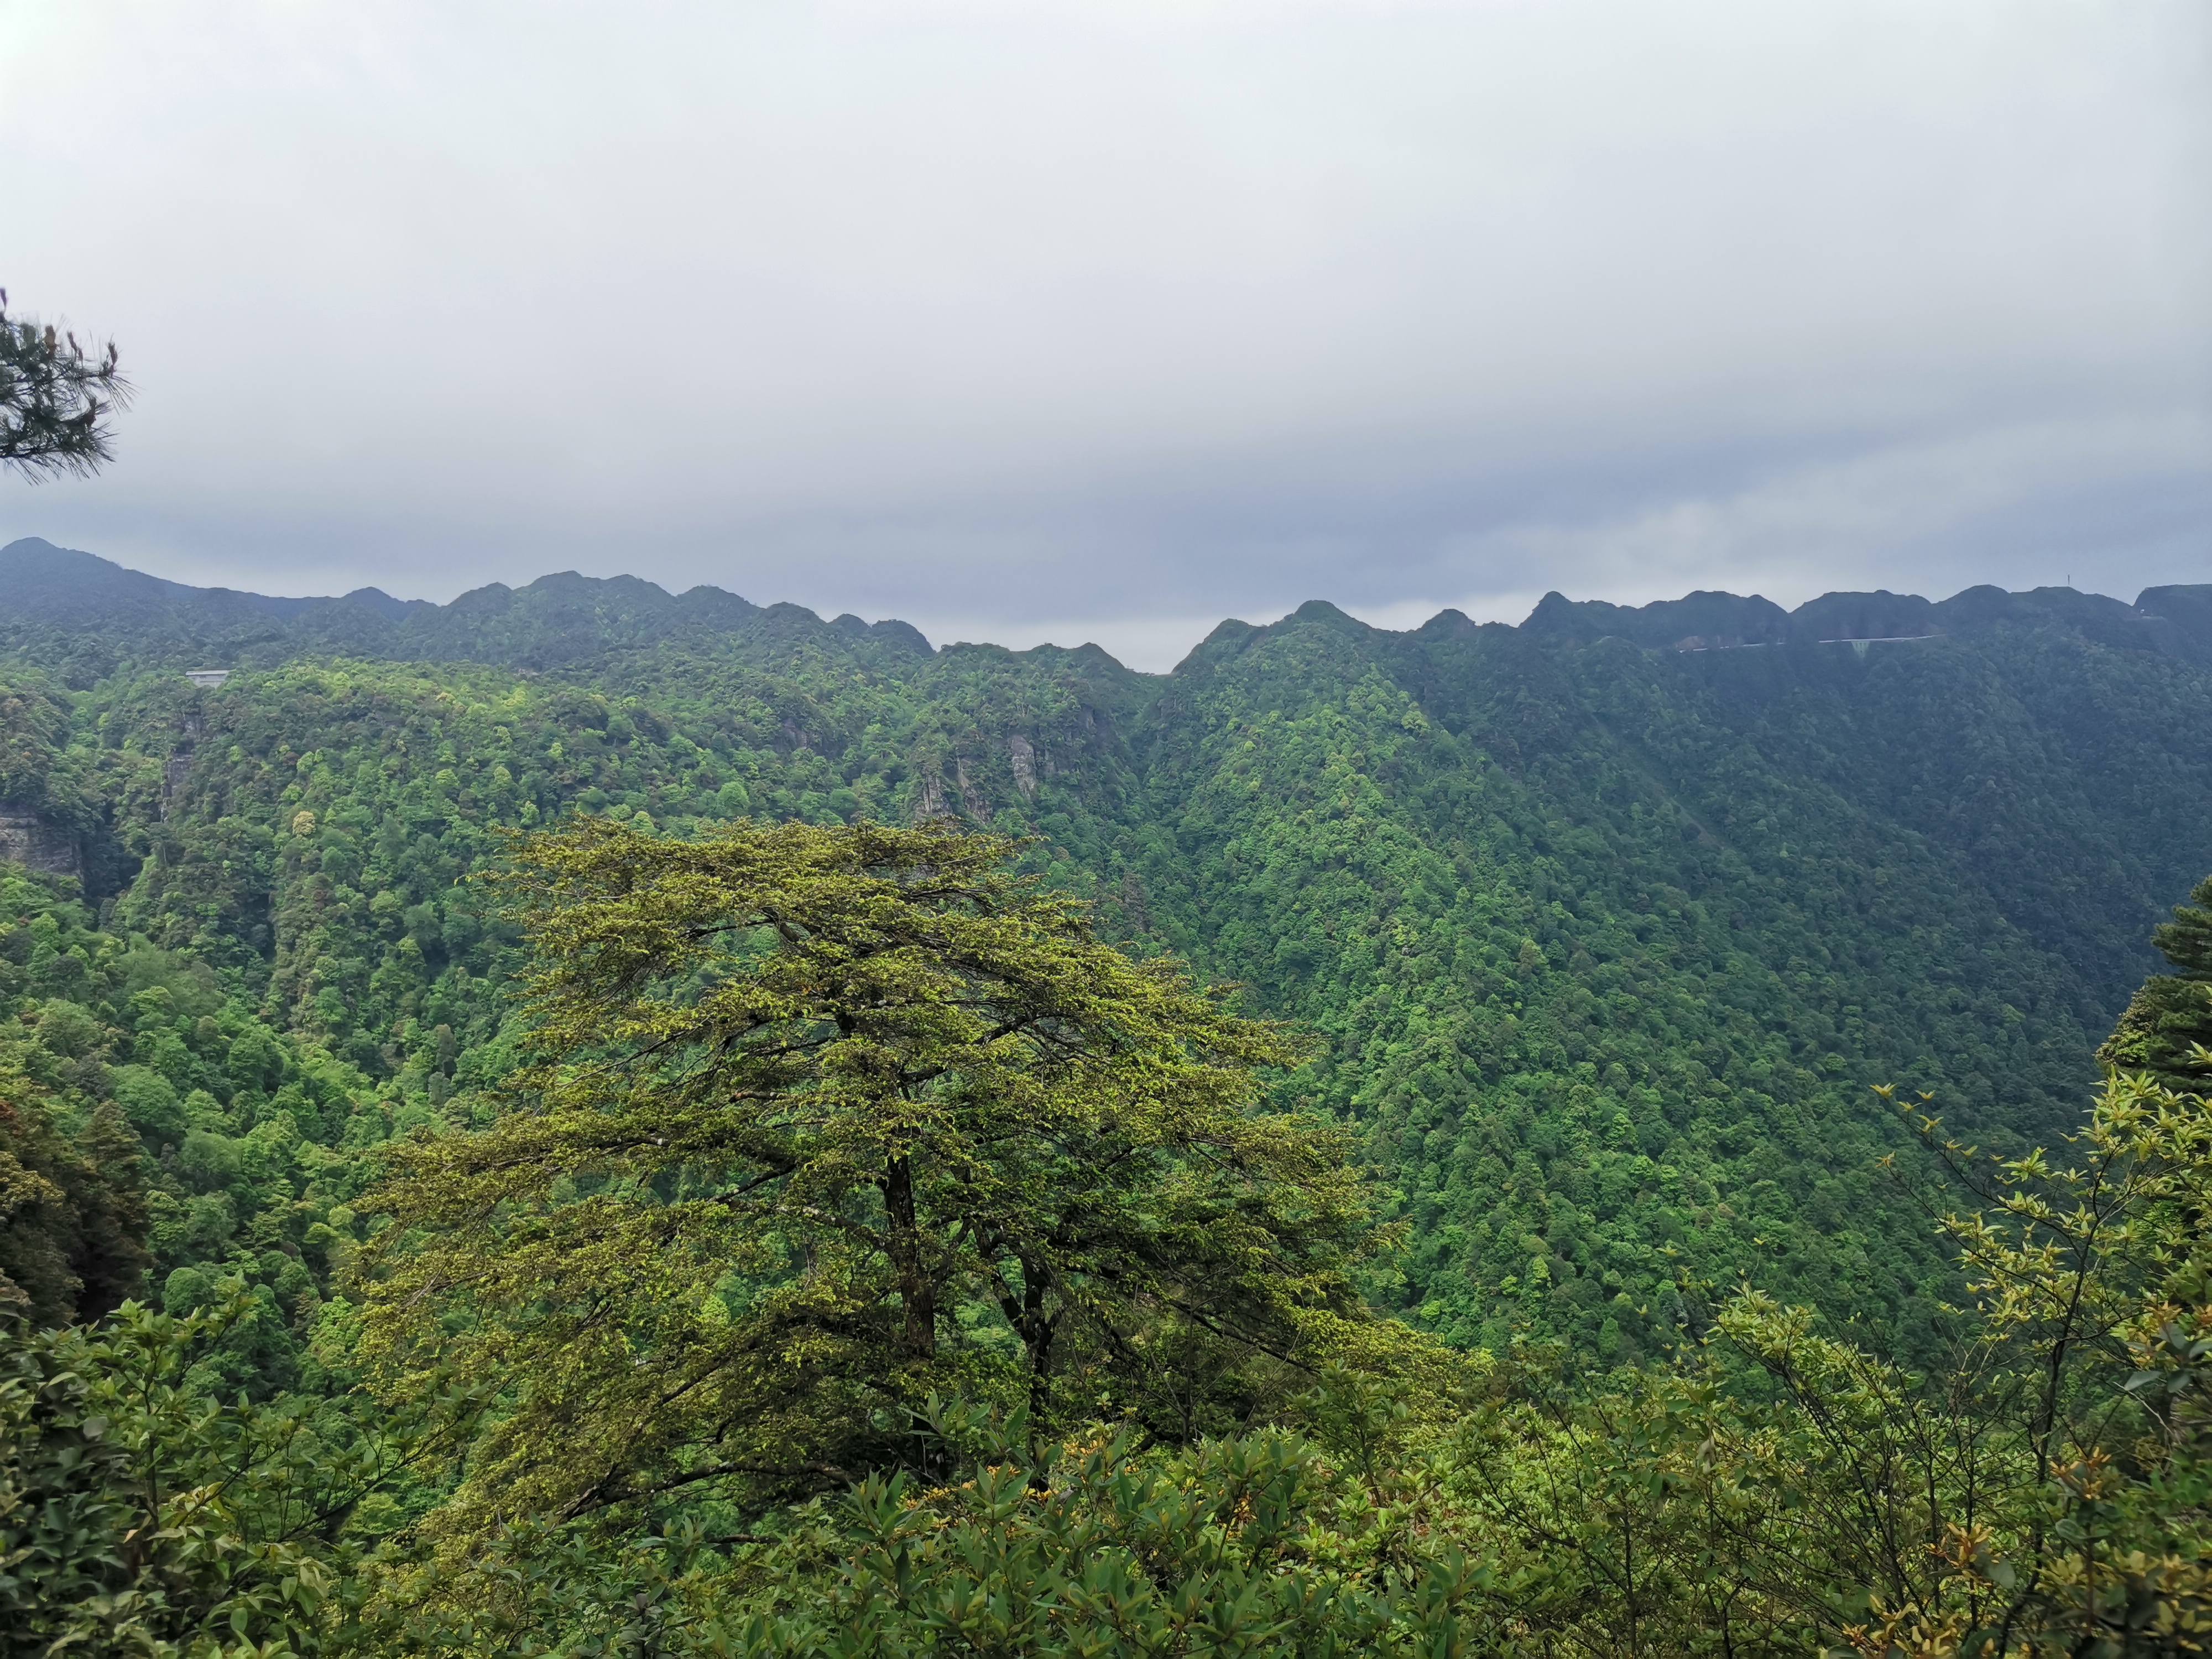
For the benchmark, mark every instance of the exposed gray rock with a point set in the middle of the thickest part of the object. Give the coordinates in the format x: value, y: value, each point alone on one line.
x: 28, y: 839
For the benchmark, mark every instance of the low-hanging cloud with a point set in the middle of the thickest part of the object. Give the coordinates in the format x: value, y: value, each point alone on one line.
x: 1105, y: 320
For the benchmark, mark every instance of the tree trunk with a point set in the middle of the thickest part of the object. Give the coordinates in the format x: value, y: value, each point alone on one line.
x: 1036, y: 1331
x: 917, y: 1294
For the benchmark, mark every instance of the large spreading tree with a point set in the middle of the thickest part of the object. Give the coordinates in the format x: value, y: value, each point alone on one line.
x: 818, y: 1122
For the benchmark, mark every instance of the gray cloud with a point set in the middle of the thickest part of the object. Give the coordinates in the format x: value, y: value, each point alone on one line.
x: 1106, y: 320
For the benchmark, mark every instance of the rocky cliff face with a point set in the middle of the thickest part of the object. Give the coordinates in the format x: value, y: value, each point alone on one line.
x: 29, y: 839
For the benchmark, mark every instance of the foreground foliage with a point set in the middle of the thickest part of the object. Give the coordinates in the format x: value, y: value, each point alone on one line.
x: 139, y: 1515
x: 2049, y: 1491
x: 1262, y: 1545
x: 1778, y: 1490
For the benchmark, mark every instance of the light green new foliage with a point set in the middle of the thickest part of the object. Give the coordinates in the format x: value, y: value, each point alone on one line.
x: 817, y: 1120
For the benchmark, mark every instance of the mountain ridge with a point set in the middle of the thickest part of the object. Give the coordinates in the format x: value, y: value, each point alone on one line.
x: 564, y: 616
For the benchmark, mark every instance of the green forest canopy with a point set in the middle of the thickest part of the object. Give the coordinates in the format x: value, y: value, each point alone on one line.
x: 1602, y: 944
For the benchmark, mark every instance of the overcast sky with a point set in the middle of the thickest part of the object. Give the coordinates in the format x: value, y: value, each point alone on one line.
x: 1047, y: 319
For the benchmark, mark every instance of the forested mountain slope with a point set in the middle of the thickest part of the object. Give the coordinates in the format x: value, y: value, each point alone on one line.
x: 1607, y: 926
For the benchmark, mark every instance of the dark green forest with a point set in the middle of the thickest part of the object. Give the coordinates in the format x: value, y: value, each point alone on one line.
x: 1605, y: 948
